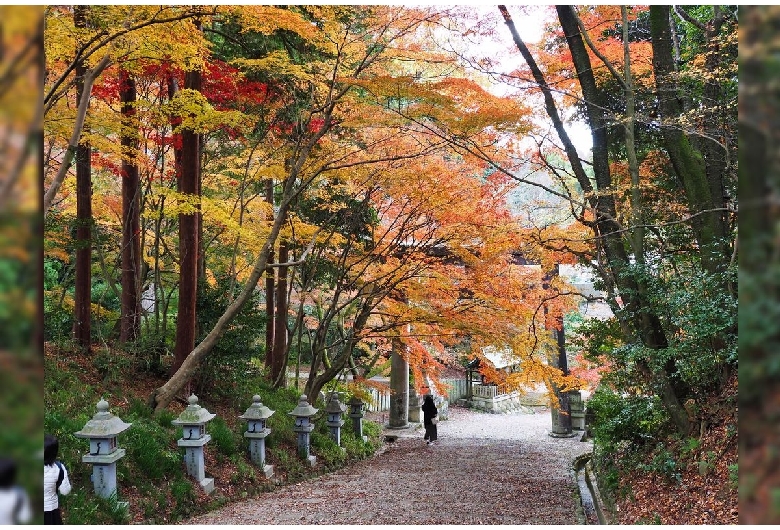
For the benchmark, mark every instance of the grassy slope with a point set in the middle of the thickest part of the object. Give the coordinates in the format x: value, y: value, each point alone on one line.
x: 152, y: 477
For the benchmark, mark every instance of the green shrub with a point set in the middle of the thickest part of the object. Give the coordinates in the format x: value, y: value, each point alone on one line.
x: 637, y: 420
x: 243, y: 469
x: 80, y: 508
x: 664, y: 463
x: 111, y: 365
x: 224, y: 371
x: 222, y: 437
x: 325, y: 449
x: 164, y: 418
x: 734, y: 476
x: 289, y: 461
x: 58, y: 317
x: 183, y: 497
x: 689, y: 447
x: 150, y: 349
x: 623, y: 428
x: 150, y: 447
x: 356, y: 447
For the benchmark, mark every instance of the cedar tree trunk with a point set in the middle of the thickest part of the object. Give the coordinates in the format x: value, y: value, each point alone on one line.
x: 130, y: 327
x: 83, y: 291
x: 188, y: 241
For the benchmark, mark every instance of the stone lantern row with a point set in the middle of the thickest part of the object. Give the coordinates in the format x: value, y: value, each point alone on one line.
x: 102, y: 431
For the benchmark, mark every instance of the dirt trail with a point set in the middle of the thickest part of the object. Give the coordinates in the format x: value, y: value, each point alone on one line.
x: 485, y: 469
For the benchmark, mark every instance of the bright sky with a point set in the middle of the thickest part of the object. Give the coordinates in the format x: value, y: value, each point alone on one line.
x: 530, y: 22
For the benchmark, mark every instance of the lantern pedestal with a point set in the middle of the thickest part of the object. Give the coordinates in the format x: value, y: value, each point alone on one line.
x: 303, y: 444
x: 104, y: 472
x: 577, y: 410
x: 415, y: 406
x: 257, y: 450
x: 194, y: 460
x: 334, y: 410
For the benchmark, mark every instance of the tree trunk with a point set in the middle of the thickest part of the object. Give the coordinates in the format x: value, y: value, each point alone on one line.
x: 280, y: 346
x: 715, y: 157
x: 85, y: 89
x: 130, y: 327
x: 270, y: 283
x: 639, y: 319
x: 83, y: 292
x: 648, y: 325
x: 688, y: 163
x: 160, y: 398
x: 637, y: 219
x: 188, y: 241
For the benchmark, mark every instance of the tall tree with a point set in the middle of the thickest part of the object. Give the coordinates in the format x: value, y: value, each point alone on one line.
x: 702, y: 176
x: 130, y: 326
x: 347, y: 60
x: 639, y: 319
x: 82, y: 320
x: 280, y: 349
x: 189, y: 187
x: 270, y: 287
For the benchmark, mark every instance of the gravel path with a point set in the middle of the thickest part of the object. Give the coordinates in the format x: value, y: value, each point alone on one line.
x: 485, y: 469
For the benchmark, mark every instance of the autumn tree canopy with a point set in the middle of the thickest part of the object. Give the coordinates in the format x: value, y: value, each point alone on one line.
x: 339, y: 181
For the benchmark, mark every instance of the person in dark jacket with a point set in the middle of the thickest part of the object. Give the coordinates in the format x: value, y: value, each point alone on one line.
x: 429, y: 412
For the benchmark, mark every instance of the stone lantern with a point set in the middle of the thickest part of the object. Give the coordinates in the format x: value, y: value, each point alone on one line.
x: 193, y: 423
x: 415, y: 406
x: 577, y: 410
x: 356, y: 413
x: 101, y: 431
x: 256, y: 416
x: 334, y: 410
x: 303, y: 426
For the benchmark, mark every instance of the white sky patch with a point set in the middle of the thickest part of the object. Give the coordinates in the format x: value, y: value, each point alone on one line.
x: 488, y: 45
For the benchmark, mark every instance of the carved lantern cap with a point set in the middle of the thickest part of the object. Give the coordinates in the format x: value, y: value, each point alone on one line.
x: 103, y: 424
x: 304, y: 409
x: 257, y: 411
x: 194, y: 414
x: 334, y: 405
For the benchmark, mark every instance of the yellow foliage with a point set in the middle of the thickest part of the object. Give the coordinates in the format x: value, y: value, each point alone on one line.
x: 269, y: 19
x: 278, y: 64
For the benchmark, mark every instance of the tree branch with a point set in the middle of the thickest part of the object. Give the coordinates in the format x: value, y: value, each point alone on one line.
x: 683, y: 14
x: 81, y: 114
x: 598, y: 54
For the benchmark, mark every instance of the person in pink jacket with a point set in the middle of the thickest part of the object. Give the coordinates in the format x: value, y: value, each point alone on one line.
x: 55, y: 481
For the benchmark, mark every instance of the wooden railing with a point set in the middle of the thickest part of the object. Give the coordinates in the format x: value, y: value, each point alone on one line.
x: 489, y: 391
